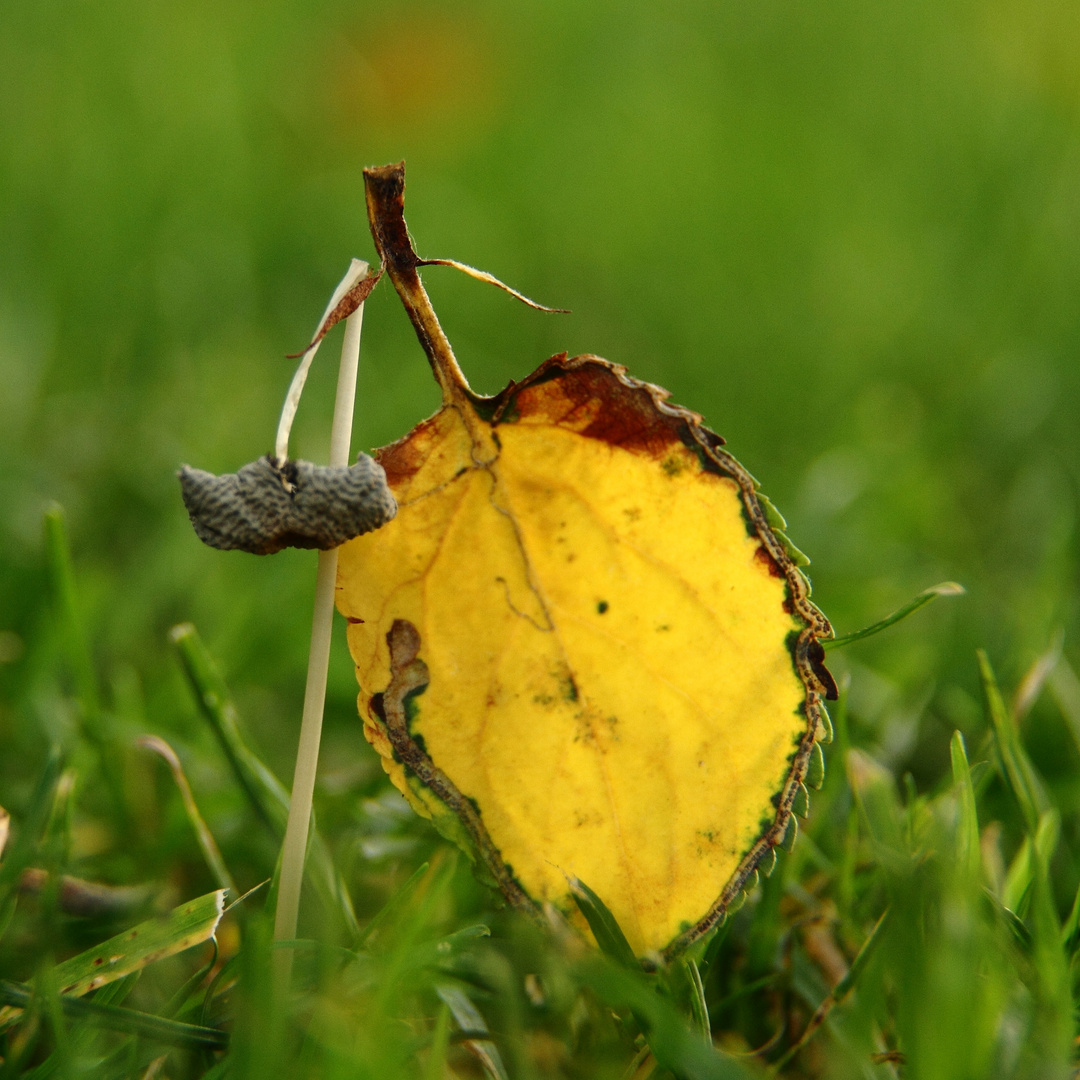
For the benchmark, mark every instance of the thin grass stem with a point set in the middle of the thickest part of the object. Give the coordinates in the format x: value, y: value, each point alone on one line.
x: 946, y: 588
x: 307, y: 755
x: 266, y: 794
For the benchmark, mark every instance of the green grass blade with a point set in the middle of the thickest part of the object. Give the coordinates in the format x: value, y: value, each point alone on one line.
x: 85, y: 1037
x: 185, y: 926
x: 54, y: 1010
x: 1018, y: 879
x: 1065, y: 686
x: 435, y: 1069
x: 714, y: 946
x: 1012, y: 922
x: 189, y: 991
x: 946, y: 588
x: 145, y: 1025
x: 116, y: 992
x: 258, y: 1019
x: 264, y: 791
x: 673, y: 1044
x: 222, y: 980
x: 28, y: 835
x: 969, y: 851
x: 606, y: 929
x: 862, y: 958
x: 1036, y: 677
x: 403, y: 948
x: 207, y: 844
x: 840, y: 990
x: 93, y: 720
x: 875, y: 794
x: 469, y: 1018
x: 389, y: 910
x: 62, y: 573
x: 1054, y: 1005
x: 1070, y: 932
x: 699, y: 1009
x: 1021, y: 873
x: 1019, y: 773
x: 224, y: 1068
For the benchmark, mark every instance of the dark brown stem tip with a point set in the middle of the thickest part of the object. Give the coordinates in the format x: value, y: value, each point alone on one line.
x: 390, y: 178
x: 384, y: 187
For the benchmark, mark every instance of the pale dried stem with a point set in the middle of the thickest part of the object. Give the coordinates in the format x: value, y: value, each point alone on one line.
x: 307, y: 756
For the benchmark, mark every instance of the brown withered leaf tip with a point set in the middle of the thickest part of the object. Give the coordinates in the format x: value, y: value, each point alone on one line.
x: 264, y: 506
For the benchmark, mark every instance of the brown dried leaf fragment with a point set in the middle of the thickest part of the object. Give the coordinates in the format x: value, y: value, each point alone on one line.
x: 88, y: 899
x: 342, y: 309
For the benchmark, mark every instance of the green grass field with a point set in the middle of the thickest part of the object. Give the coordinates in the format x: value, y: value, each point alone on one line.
x: 846, y: 234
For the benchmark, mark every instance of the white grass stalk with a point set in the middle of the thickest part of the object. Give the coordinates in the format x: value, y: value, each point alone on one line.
x: 294, y: 848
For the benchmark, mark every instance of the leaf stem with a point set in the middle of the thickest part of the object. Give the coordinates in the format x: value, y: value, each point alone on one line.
x: 385, y: 191
x: 307, y: 755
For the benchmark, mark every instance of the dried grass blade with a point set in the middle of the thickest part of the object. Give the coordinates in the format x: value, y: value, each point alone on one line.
x: 211, y: 852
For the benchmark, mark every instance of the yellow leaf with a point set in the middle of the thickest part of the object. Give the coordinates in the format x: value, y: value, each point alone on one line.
x: 581, y: 648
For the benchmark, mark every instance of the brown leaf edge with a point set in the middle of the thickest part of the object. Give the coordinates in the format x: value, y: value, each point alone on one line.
x: 385, y: 188
x: 807, y: 653
x: 408, y: 676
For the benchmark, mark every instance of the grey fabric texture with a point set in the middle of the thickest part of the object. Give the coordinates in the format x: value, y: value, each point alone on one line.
x: 264, y: 507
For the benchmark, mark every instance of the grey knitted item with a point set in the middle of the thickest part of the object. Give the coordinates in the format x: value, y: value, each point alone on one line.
x: 263, y: 508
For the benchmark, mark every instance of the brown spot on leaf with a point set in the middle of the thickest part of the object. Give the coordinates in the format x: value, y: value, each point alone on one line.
x: 816, y: 655
x: 409, y: 674
x: 401, y: 460
x: 404, y: 642
x: 763, y: 556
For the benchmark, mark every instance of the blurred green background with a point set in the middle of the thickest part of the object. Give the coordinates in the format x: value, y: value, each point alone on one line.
x: 847, y: 233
